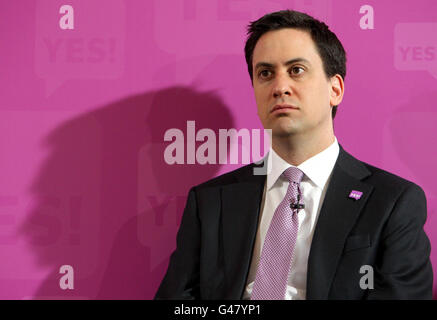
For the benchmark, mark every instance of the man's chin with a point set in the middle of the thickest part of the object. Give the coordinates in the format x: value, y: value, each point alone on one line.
x: 283, y: 132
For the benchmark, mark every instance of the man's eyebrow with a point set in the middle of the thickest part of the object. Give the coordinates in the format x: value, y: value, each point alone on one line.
x: 269, y: 65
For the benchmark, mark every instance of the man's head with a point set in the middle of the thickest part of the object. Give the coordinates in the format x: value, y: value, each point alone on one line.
x: 294, y: 59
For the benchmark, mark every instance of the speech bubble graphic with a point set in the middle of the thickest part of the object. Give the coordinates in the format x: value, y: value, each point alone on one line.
x: 157, y: 226
x: 415, y: 47
x: 159, y: 213
x: 162, y: 187
x: 195, y: 22
x: 50, y: 209
x: 94, y: 49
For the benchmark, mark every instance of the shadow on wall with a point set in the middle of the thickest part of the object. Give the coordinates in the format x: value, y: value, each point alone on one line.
x: 412, y: 129
x: 106, y: 202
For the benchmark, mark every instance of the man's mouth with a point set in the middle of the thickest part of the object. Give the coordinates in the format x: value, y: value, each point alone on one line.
x: 283, y: 108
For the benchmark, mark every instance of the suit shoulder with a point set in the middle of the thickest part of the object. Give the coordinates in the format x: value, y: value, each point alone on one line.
x: 390, y: 181
x: 380, y: 179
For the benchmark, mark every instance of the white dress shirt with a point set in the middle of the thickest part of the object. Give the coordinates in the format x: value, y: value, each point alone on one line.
x: 317, y: 172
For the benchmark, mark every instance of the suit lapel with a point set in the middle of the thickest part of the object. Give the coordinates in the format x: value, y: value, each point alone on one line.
x: 240, y: 211
x: 336, y: 219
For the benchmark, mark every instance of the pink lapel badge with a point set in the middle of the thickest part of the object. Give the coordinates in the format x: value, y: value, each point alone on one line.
x: 355, y: 194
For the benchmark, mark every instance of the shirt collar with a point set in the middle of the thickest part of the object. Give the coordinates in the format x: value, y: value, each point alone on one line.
x: 318, y: 168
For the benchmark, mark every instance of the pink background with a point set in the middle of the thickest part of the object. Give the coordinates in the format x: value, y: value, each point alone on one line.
x: 83, y: 114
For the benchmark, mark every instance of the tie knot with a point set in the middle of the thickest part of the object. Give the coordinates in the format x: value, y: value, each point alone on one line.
x: 293, y: 174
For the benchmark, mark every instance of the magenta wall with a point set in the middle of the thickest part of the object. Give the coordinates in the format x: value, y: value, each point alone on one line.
x: 83, y: 113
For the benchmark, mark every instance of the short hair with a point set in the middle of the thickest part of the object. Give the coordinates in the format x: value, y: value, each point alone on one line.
x: 328, y: 46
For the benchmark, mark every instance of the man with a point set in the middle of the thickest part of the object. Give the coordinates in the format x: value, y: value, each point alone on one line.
x: 320, y: 221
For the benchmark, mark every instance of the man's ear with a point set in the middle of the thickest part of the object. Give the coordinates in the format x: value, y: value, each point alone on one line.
x: 337, y: 90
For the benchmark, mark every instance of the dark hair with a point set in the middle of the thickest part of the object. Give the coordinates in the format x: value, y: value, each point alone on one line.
x: 328, y: 46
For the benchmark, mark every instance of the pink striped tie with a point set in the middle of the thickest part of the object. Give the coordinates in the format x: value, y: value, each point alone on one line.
x: 274, y: 265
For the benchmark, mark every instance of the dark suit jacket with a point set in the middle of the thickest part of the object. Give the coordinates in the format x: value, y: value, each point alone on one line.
x: 383, y: 229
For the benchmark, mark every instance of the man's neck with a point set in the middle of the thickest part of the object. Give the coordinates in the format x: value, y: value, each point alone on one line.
x: 296, y: 150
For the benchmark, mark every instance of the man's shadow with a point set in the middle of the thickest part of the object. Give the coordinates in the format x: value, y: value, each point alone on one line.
x: 105, y: 200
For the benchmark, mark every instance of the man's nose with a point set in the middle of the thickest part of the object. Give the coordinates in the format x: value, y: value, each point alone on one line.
x: 281, y: 86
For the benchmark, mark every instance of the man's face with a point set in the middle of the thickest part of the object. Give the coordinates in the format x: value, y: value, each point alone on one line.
x: 287, y: 70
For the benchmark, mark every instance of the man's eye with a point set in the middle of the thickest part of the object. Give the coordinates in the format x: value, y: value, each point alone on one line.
x: 295, y: 70
x: 264, y: 73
